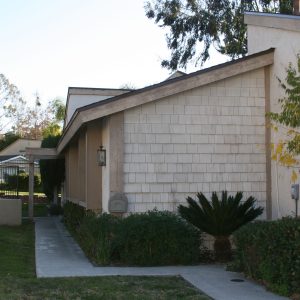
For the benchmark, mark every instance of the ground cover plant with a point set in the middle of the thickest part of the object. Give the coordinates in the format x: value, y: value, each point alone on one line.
x: 269, y: 252
x: 220, y: 217
x: 17, y: 277
x: 151, y: 238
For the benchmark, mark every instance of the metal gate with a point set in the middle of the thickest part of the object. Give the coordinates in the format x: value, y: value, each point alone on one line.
x: 9, y: 181
x: 14, y: 178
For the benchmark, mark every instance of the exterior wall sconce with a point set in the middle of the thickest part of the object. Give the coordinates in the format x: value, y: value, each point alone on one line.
x: 101, y: 156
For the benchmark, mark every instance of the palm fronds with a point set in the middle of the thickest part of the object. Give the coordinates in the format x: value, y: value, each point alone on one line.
x: 220, y: 217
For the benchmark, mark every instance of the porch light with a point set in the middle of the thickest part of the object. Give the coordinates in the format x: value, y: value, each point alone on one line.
x: 101, y: 156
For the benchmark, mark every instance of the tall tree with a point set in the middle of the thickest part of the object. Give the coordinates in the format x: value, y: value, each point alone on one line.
x: 52, y: 171
x: 196, y: 25
x: 57, y: 109
x: 11, y: 102
x: 38, y: 121
x: 23, y: 120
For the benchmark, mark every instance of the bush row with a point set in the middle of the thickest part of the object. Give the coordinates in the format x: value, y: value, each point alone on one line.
x: 270, y: 252
x: 152, y: 238
x: 21, y: 182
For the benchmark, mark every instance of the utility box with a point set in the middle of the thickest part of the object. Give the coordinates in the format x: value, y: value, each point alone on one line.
x: 295, y: 191
x: 10, y: 211
x: 118, y: 203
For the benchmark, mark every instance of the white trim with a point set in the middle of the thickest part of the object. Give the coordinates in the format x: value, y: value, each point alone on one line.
x: 15, y: 158
x: 277, y: 21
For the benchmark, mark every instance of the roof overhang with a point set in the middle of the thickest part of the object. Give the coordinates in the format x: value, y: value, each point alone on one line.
x: 41, y: 153
x: 92, y: 91
x: 164, y: 89
x: 13, y: 158
x: 278, y: 21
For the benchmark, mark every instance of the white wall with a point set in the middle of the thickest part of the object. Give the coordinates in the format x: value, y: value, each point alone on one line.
x: 208, y: 139
x: 76, y: 101
x: 283, y: 34
x: 79, y: 97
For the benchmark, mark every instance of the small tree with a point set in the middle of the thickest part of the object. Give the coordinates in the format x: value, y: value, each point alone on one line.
x: 52, y: 171
x: 286, y: 150
x: 220, y: 218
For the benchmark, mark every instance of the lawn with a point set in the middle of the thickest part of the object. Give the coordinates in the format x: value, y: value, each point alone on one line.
x: 3, y: 192
x: 17, y: 277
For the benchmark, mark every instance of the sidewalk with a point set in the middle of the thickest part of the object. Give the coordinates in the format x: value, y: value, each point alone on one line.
x: 58, y: 255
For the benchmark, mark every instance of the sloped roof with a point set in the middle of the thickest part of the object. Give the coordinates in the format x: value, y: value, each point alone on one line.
x: 6, y: 157
x: 163, y: 89
x: 11, y: 158
x: 176, y: 74
x: 14, y: 159
x: 19, y: 146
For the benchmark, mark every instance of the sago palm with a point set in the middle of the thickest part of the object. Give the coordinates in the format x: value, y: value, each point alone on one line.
x: 220, y: 218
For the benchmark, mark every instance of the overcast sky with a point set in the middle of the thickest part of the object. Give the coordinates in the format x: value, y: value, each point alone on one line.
x: 49, y: 45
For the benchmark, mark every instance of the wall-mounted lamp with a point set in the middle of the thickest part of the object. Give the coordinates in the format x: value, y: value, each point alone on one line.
x: 101, y: 156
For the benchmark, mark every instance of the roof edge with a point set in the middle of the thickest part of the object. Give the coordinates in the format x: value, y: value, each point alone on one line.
x: 163, y: 89
x: 278, y: 21
x: 177, y: 79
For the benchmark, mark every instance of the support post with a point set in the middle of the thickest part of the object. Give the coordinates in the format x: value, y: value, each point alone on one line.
x: 55, y: 201
x: 31, y: 188
x: 296, y: 6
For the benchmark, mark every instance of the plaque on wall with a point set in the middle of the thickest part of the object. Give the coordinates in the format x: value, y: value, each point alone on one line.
x: 118, y: 203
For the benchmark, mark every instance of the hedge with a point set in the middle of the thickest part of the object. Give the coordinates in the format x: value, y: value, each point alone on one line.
x: 73, y: 216
x: 157, y: 238
x: 21, y: 182
x: 96, y: 237
x: 270, y: 252
x: 152, y: 238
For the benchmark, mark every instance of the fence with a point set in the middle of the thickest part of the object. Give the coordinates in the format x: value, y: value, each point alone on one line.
x: 14, y: 179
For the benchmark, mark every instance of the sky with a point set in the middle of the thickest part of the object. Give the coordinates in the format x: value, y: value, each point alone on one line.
x: 50, y: 45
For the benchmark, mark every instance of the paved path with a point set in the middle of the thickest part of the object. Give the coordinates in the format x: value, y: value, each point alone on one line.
x: 58, y: 255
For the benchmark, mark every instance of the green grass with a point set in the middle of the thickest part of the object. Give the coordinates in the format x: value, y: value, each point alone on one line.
x: 17, y: 251
x: 35, y: 194
x: 17, y: 277
x: 23, y: 193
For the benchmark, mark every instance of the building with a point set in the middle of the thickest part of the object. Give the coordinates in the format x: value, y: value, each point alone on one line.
x: 205, y: 131
x: 18, y: 147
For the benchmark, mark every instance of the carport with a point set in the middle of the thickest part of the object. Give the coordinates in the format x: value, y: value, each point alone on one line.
x: 33, y: 154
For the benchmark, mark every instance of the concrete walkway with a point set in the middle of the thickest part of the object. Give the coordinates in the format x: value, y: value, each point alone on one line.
x: 58, y: 255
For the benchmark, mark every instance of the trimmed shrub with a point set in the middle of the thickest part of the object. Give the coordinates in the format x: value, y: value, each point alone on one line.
x: 55, y: 209
x: 73, y: 216
x: 21, y: 182
x: 157, y: 238
x: 152, y: 238
x: 96, y: 235
x: 270, y: 252
x: 93, y: 233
